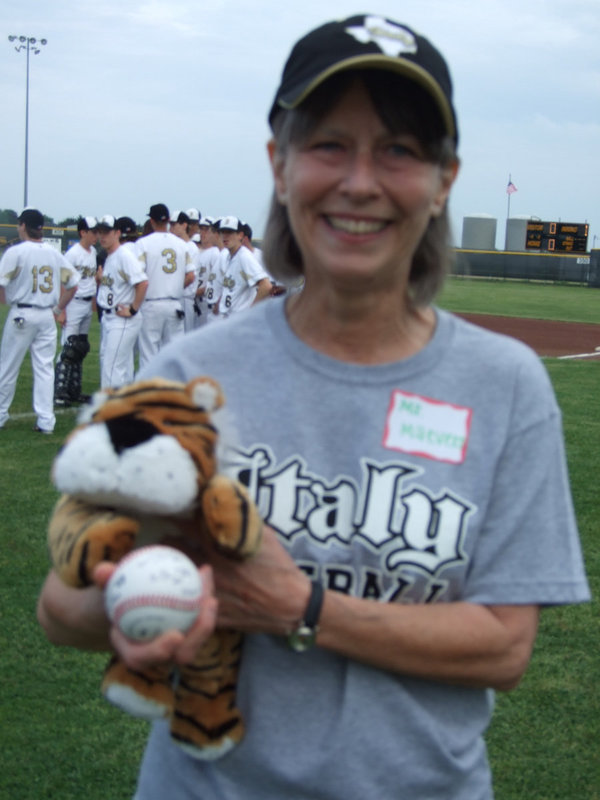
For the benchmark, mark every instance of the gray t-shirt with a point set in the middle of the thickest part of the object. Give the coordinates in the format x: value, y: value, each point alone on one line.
x: 435, y: 479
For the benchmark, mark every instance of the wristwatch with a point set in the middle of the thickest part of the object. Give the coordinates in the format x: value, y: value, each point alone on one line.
x: 304, y: 636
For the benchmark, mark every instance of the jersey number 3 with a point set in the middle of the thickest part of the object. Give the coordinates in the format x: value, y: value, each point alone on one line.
x: 171, y: 264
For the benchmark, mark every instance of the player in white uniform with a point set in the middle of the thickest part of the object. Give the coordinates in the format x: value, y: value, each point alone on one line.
x: 193, y: 227
x: 210, y: 285
x: 245, y: 282
x: 276, y: 288
x: 121, y: 293
x: 129, y: 233
x: 180, y: 226
x: 78, y: 316
x: 168, y: 269
x: 31, y: 276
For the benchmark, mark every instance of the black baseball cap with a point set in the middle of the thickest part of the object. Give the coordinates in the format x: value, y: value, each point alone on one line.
x: 107, y: 223
x: 32, y: 218
x: 181, y: 217
x: 365, y: 41
x: 159, y: 213
x: 87, y: 224
x: 230, y: 224
x: 126, y: 225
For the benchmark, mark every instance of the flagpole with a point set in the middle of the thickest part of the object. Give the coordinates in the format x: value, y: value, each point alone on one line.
x: 509, y: 194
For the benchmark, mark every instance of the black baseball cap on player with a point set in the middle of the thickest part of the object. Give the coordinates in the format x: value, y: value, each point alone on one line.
x: 365, y: 41
x: 180, y: 217
x: 126, y: 225
x: 107, y: 223
x: 230, y: 224
x: 87, y: 224
x: 159, y: 213
x: 32, y: 218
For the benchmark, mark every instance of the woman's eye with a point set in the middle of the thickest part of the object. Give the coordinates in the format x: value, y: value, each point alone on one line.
x: 327, y: 146
x: 405, y: 148
x: 402, y: 150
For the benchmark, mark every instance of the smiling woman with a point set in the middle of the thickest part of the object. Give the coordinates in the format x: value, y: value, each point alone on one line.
x: 409, y: 466
x: 408, y: 139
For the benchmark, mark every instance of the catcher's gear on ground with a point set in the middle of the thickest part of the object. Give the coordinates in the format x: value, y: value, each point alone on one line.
x: 68, y: 370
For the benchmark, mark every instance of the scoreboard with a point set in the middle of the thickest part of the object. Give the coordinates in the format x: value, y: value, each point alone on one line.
x: 560, y: 237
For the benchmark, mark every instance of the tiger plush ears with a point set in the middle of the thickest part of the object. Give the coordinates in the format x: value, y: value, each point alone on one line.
x: 140, y: 467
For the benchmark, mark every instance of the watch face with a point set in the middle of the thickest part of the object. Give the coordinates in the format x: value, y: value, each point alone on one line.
x: 303, y: 638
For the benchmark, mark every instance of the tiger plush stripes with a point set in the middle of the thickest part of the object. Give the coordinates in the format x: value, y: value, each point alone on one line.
x: 142, y: 467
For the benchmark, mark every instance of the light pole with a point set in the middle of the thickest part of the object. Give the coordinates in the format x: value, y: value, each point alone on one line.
x: 29, y: 44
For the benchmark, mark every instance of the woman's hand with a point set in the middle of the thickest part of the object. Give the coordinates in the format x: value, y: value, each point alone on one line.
x: 173, y: 646
x: 268, y: 593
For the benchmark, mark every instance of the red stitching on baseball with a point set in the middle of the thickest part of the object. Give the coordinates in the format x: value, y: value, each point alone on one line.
x: 159, y: 601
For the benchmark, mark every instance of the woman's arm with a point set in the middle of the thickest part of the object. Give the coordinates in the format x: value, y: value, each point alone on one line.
x: 73, y: 617
x: 462, y: 643
x: 76, y: 618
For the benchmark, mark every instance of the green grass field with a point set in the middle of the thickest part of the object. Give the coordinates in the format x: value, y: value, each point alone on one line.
x: 61, y: 741
x: 568, y: 303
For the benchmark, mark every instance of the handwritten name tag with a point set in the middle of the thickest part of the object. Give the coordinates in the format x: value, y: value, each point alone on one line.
x: 426, y: 427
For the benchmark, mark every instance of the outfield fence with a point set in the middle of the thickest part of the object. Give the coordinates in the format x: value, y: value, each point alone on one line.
x: 583, y: 268
x: 61, y: 238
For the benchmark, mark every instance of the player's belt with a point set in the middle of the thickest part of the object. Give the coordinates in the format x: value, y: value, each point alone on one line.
x: 111, y: 311
x: 154, y: 299
x: 30, y: 305
x: 87, y: 299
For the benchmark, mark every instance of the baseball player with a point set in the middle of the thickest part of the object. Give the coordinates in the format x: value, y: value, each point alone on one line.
x: 181, y: 223
x: 169, y: 270
x: 129, y: 233
x: 245, y: 282
x: 193, y: 227
x: 276, y: 288
x: 121, y: 293
x: 31, y: 276
x: 210, y: 285
x: 78, y: 316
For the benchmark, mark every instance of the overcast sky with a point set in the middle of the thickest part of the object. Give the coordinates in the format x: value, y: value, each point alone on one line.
x: 134, y: 102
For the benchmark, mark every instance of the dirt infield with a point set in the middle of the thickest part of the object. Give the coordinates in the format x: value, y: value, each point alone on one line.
x: 547, y: 338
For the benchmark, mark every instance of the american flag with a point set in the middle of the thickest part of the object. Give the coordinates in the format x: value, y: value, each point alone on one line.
x: 511, y: 188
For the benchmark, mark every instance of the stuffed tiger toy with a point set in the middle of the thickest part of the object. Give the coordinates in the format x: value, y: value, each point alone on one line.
x: 140, y: 467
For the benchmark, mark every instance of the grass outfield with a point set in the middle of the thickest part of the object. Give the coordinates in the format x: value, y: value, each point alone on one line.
x: 567, y: 303
x: 60, y: 740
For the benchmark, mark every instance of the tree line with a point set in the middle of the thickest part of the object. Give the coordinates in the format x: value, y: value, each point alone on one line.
x: 10, y: 217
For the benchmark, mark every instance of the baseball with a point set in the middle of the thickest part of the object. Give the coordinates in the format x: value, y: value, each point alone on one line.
x: 152, y: 590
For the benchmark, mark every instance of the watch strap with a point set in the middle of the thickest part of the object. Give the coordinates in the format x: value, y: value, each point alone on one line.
x: 315, y: 604
x: 304, y: 636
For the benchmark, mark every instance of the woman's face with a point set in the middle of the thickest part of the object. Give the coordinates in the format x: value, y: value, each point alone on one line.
x: 358, y: 197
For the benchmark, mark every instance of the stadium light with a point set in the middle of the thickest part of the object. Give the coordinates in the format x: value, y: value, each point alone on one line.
x: 30, y: 45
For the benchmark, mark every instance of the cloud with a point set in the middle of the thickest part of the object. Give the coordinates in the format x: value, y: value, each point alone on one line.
x: 176, y: 17
x: 177, y: 94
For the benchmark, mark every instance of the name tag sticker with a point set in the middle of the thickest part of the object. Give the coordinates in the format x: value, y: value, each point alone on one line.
x: 426, y: 427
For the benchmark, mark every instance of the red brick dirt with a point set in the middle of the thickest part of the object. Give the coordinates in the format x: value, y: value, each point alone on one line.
x: 547, y: 338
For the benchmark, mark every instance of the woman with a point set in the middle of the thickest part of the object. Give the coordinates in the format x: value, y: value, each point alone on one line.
x: 410, y: 466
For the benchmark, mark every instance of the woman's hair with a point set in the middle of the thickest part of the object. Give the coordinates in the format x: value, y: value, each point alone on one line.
x: 403, y: 107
